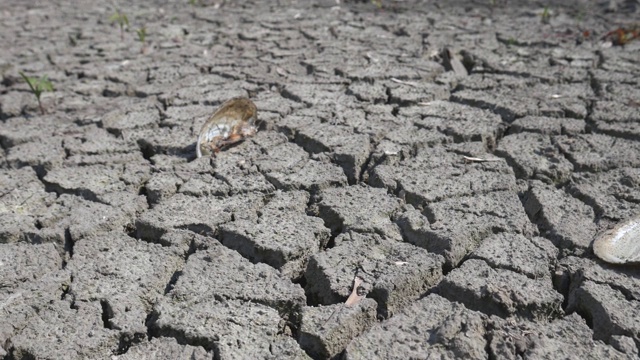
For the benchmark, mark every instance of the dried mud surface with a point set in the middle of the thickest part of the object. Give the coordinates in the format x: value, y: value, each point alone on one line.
x: 117, y: 243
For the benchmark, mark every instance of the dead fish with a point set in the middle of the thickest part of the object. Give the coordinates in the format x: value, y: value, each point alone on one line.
x: 620, y: 245
x: 234, y: 121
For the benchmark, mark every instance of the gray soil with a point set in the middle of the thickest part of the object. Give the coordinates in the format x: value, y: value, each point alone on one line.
x: 117, y: 243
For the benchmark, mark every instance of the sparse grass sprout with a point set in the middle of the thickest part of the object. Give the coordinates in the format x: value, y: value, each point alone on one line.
x: 38, y: 86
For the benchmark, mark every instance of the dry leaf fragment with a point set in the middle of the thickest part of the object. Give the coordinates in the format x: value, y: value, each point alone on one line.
x: 355, y: 298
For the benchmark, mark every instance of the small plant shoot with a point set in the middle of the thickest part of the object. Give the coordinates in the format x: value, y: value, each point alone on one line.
x: 142, y: 34
x: 122, y: 21
x: 38, y: 86
x: 546, y: 15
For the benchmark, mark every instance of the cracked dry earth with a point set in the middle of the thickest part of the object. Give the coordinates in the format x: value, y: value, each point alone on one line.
x: 116, y: 243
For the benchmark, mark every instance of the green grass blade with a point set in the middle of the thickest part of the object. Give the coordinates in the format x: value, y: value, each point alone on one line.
x: 29, y: 81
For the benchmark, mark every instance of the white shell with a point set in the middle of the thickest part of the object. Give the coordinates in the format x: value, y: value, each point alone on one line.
x: 209, y: 133
x: 620, y: 245
x: 232, y: 122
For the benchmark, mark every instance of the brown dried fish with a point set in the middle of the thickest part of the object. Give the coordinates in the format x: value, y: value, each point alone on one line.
x: 234, y: 121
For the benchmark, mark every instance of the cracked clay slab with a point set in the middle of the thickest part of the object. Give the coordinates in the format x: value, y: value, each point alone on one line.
x: 279, y: 237
x: 395, y: 272
x: 431, y: 327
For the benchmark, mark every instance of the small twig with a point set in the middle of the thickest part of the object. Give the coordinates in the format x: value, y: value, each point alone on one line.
x: 475, y: 159
x: 330, y: 317
x: 25, y: 200
x: 6, y: 193
x: 404, y: 82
